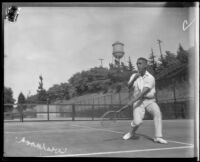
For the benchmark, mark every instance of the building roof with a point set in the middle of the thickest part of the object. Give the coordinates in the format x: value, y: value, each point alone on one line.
x: 117, y: 42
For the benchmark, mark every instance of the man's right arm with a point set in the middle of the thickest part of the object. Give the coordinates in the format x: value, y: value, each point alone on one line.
x: 132, y: 80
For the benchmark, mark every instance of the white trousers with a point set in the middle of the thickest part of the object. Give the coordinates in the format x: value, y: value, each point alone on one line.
x: 152, y: 107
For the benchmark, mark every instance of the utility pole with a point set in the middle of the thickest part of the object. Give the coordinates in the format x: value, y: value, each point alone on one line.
x: 101, y: 62
x: 152, y: 55
x: 159, y: 42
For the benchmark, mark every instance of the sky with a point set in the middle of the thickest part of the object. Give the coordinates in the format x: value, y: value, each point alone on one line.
x: 57, y: 42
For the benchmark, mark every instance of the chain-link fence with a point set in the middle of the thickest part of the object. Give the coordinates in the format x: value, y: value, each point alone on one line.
x: 171, y: 109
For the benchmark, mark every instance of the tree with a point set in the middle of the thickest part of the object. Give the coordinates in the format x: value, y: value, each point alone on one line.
x: 111, y: 66
x: 123, y: 67
x: 171, y: 59
x: 182, y: 55
x: 8, y: 99
x: 174, y: 63
x: 75, y: 81
x: 21, y: 101
x: 93, y: 80
x: 119, y: 77
x: 163, y: 64
x: 130, y: 65
x: 60, y: 91
x: 21, y: 98
x: 152, y: 62
x: 32, y: 99
x: 72, y: 91
x: 42, y: 95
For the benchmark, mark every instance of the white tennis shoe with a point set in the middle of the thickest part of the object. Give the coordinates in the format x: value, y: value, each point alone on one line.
x: 132, y: 124
x: 160, y: 140
x: 127, y: 136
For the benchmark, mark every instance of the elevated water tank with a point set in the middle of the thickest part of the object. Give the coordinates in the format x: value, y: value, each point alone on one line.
x: 118, y: 50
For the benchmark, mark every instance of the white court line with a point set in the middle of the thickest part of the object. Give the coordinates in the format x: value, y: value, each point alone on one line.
x: 42, y: 131
x: 189, y: 144
x: 124, y: 133
x: 117, y: 152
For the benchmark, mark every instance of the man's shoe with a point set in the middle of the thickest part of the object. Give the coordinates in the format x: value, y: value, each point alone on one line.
x: 132, y: 124
x: 127, y: 136
x: 160, y: 140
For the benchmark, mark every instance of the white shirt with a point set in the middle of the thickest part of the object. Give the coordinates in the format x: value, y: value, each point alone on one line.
x: 147, y: 80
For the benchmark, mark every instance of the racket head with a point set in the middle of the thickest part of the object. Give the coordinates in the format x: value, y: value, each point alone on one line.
x: 109, y: 119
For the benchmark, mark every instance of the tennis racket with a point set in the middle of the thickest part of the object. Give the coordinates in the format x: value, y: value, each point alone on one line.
x: 110, y: 118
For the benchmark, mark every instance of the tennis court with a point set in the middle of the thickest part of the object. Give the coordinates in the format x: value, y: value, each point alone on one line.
x: 90, y: 139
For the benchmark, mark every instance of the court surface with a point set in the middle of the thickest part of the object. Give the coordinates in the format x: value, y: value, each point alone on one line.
x: 90, y: 139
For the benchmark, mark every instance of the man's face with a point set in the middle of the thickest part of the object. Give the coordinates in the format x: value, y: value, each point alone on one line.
x: 141, y: 65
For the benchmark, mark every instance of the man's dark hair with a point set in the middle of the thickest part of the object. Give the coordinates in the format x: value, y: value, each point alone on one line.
x: 142, y: 58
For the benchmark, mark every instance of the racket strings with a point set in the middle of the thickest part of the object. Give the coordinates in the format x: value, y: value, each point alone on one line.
x: 110, y: 118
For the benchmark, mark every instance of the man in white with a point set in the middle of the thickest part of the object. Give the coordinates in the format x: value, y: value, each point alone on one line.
x: 143, y: 84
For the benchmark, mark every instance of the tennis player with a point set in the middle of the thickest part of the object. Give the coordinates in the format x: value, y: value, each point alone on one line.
x: 143, y: 84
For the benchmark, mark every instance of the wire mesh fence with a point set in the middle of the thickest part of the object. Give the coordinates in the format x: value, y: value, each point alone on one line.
x: 171, y: 109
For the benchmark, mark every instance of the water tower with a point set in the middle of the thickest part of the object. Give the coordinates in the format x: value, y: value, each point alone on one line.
x: 118, y: 52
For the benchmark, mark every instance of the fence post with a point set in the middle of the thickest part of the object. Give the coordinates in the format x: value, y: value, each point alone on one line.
x: 120, y: 99
x: 111, y: 99
x: 183, y: 107
x: 174, y: 93
x: 156, y: 95
x: 93, y: 108
x: 48, y: 110
x: 92, y: 111
x: 22, y: 113
x: 98, y: 102
x: 73, y: 112
x: 104, y: 99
